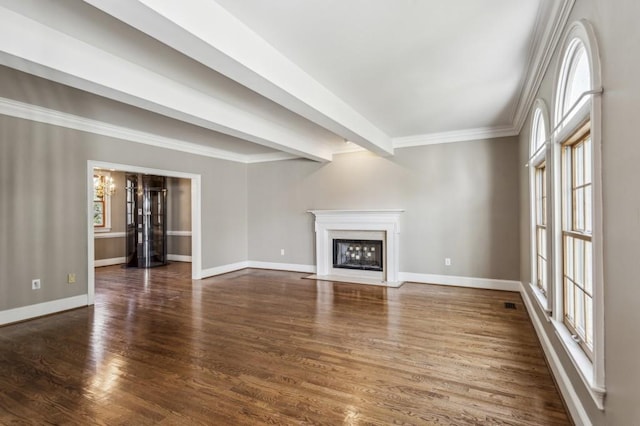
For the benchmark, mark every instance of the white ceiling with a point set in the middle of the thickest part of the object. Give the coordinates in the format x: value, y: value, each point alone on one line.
x: 410, y: 67
x: 291, y: 76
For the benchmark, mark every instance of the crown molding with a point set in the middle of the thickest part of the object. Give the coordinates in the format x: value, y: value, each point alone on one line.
x: 454, y: 136
x: 40, y: 114
x: 550, y: 24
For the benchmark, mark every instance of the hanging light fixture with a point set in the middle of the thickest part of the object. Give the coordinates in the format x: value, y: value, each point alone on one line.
x: 103, y: 185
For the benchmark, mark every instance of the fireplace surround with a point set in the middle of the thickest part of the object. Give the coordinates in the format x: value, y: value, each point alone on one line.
x: 360, y: 225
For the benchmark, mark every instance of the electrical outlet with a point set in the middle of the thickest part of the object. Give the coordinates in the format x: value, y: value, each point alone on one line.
x: 281, y: 252
x: 71, y: 278
x: 35, y: 284
x: 447, y: 261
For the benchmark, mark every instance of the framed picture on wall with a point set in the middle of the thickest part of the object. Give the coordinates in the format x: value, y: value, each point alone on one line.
x: 98, y: 214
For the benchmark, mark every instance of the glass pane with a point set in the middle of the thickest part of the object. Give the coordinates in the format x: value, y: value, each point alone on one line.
x: 543, y: 266
x: 578, y: 210
x: 568, y: 294
x: 588, y: 208
x: 538, y: 241
x: 589, y: 321
x: 579, y: 262
x: 578, y: 164
x: 539, y: 271
x: 578, y: 79
x: 544, y: 195
x: 579, y: 318
x: 543, y: 243
x: 587, y: 160
x: 569, y: 257
x: 588, y: 276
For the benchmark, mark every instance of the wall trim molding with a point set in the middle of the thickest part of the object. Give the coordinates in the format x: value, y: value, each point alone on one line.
x: 99, y: 235
x: 223, y: 269
x: 575, y: 406
x: 44, y: 115
x: 455, y: 136
x: 108, y: 262
x: 179, y: 233
x: 293, y: 267
x: 120, y: 260
x: 451, y: 280
x: 40, y: 309
x: 179, y: 258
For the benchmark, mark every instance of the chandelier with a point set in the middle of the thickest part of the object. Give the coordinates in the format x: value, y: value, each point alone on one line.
x: 103, y: 185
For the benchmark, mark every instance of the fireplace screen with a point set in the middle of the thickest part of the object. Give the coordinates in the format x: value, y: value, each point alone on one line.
x: 358, y: 254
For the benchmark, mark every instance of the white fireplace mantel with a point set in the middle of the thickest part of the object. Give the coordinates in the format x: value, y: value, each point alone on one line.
x: 386, y: 220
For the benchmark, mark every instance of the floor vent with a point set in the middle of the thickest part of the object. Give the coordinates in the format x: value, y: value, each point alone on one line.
x: 509, y: 305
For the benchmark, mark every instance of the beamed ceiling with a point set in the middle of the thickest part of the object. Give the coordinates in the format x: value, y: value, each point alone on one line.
x: 255, y: 80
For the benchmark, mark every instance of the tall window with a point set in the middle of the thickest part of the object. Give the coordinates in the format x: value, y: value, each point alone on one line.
x: 538, y: 178
x: 577, y: 229
x: 577, y: 279
x: 541, y: 227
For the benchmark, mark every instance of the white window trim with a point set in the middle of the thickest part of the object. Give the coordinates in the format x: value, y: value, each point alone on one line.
x: 591, y: 372
x: 538, y: 156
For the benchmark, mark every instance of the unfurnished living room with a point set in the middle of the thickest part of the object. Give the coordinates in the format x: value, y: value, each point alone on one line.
x: 319, y: 212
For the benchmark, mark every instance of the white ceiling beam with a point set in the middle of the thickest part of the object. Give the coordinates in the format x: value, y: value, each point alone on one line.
x: 206, y: 32
x: 32, y: 47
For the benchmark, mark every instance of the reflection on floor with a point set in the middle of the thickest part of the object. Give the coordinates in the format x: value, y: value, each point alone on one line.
x: 256, y: 346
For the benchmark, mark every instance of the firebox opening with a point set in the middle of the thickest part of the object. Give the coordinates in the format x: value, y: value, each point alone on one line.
x: 358, y: 254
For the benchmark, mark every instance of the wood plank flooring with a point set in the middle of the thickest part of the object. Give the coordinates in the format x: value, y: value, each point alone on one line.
x: 267, y: 347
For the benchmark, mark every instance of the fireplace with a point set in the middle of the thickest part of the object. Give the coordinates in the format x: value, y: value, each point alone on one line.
x: 350, y: 232
x: 366, y: 255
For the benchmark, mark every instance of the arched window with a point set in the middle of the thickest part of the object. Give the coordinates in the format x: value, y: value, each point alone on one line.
x: 538, y: 129
x: 574, y: 81
x: 577, y: 269
x: 538, y: 179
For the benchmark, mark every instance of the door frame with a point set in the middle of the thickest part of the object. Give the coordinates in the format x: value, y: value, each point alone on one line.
x: 196, y: 216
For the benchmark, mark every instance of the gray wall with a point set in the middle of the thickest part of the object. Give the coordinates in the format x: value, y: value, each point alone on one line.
x: 43, y: 205
x: 461, y: 201
x: 179, y: 215
x: 618, y: 36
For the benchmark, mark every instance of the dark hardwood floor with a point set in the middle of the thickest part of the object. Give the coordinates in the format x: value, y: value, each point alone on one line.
x: 256, y: 347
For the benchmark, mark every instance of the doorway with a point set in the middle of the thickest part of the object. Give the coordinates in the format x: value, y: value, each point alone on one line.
x: 195, y: 203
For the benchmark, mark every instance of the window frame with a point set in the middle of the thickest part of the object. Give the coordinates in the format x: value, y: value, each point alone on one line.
x: 587, y: 109
x: 539, y: 155
x: 571, y: 231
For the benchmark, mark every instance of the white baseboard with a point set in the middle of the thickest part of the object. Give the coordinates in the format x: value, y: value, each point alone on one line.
x: 32, y: 311
x: 576, y: 409
x: 179, y: 233
x: 179, y: 258
x: 108, y: 262
x: 293, y: 267
x: 218, y: 270
x: 100, y: 235
x: 484, y: 283
x: 119, y: 260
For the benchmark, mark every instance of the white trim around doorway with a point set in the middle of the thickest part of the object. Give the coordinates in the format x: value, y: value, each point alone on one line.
x: 196, y: 215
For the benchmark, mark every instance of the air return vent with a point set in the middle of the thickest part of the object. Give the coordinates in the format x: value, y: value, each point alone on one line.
x: 509, y: 305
